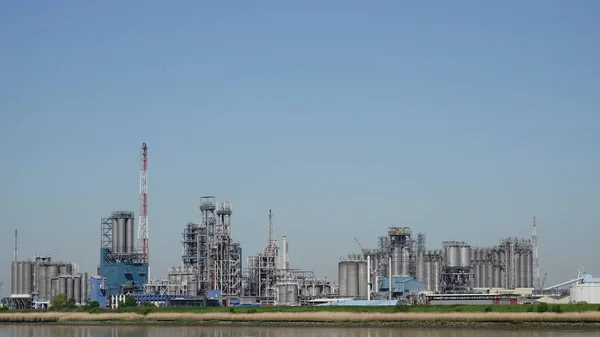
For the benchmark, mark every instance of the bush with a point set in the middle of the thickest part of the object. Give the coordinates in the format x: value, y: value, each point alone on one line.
x: 401, y: 308
x: 542, y: 307
x: 556, y: 308
x: 232, y: 310
x: 3, y: 308
x: 529, y: 308
x: 487, y: 309
x: 252, y: 311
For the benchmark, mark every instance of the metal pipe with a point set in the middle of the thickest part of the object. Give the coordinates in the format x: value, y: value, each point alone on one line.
x: 368, y: 277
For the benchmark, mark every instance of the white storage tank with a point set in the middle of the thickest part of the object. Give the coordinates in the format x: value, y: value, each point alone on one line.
x: 588, y: 291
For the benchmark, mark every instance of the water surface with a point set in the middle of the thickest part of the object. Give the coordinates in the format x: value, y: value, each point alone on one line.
x: 196, y: 331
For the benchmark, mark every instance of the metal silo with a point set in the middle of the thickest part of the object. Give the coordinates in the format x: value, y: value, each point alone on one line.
x: 523, y: 269
x: 129, y: 236
x: 28, y: 285
x: 53, y: 287
x: 122, y: 227
x: 362, y: 279
x: 14, y: 278
x: 452, y: 256
x: 70, y: 287
x: 529, y: 269
x: 436, y: 279
x: 405, y: 262
x: 420, y: 266
x: 465, y: 257
x: 343, y: 278
x: 51, y: 272
x: 42, y: 281
x: 282, y: 293
x: 62, y: 285
x: 396, y: 261
x: 292, y: 295
x: 20, y: 277
x: 352, y: 274
x: 77, y: 289
x: 115, y: 235
x: 427, y: 274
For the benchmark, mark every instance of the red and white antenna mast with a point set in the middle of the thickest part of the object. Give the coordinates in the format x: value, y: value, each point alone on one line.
x: 143, y: 218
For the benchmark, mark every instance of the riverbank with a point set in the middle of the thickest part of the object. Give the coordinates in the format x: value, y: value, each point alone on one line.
x: 579, y: 320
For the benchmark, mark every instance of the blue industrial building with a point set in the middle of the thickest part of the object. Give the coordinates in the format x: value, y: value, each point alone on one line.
x: 401, y: 286
x: 97, y: 291
x: 124, y: 270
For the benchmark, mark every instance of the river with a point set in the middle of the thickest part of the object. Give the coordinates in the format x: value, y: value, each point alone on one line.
x: 196, y: 331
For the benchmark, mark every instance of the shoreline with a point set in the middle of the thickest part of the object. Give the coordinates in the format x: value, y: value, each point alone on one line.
x: 520, y: 326
x: 493, y: 320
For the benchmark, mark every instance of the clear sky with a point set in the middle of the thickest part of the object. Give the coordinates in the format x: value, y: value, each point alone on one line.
x: 459, y: 119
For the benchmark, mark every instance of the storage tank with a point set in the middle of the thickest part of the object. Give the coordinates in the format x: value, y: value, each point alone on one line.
x: 28, y: 285
x: 282, y: 290
x: 115, y: 235
x: 497, y: 277
x: 405, y: 262
x: 14, y: 278
x: 85, y: 282
x: 326, y: 289
x: 77, y: 289
x: 42, y: 281
x: 192, y: 287
x: 70, y: 287
x: 62, y: 285
x: 523, y: 269
x: 420, y: 271
x: 292, y: 295
x: 65, y: 269
x: 489, y: 275
x: 362, y: 279
x: 352, y: 277
x: 129, y: 243
x: 480, y: 274
x: 427, y: 274
x: 465, y: 257
x: 53, y: 287
x: 396, y: 261
x: 452, y: 256
x: 20, y: 277
x: 51, y: 272
x: 122, y: 234
x: 502, y: 259
x: 343, y: 278
x: 436, y: 274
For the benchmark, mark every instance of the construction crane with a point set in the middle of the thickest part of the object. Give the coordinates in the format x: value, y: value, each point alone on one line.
x: 362, y: 250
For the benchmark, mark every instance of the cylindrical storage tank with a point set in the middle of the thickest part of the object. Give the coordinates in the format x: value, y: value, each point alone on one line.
x: 396, y: 261
x: 502, y: 260
x: 129, y: 235
x: 70, y: 287
x: 523, y: 269
x: 54, y: 287
x: 352, y: 277
x: 77, y: 289
x: 115, y: 235
x: 529, y: 269
x: 497, y: 277
x: 122, y: 227
x: 28, y: 287
x: 452, y: 256
x: 326, y: 289
x: 436, y: 275
x: 405, y: 262
x: 20, y: 277
x: 489, y: 275
x: 85, y: 282
x: 427, y: 274
x: 51, y: 272
x: 517, y: 270
x: 420, y: 271
x: 282, y: 293
x: 42, y: 281
x: 192, y: 287
x: 465, y: 257
x: 292, y: 293
x: 62, y: 285
x: 362, y: 279
x: 14, y: 278
x: 342, y: 278
x: 480, y: 275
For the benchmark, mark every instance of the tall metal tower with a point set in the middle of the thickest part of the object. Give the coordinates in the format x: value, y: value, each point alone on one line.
x: 536, y: 262
x: 143, y: 217
x: 16, y: 245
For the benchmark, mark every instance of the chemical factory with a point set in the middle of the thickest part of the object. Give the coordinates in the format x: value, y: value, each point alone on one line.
x: 213, y: 272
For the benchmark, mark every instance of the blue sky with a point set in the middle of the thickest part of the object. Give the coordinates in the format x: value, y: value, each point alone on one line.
x: 459, y: 120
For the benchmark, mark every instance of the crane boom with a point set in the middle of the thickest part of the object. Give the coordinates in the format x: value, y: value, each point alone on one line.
x: 362, y: 250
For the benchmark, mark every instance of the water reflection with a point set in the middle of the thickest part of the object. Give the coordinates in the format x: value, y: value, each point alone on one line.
x: 197, y: 331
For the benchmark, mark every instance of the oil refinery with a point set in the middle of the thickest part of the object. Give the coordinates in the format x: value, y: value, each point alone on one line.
x: 213, y: 271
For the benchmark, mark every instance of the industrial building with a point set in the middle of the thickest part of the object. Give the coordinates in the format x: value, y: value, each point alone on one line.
x: 457, y: 268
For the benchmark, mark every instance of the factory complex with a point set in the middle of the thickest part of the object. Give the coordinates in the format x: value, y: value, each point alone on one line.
x: 214, y: 272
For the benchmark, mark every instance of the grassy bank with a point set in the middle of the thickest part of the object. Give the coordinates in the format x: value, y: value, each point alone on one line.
x: 341, y: 318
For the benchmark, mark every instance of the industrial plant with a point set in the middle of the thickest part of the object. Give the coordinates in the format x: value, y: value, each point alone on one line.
x: 212, y: 270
